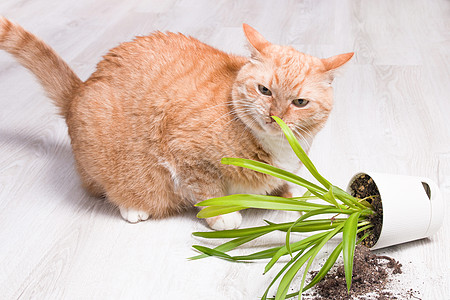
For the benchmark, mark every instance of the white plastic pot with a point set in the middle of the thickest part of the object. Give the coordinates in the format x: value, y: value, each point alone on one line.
x: 413, y: 207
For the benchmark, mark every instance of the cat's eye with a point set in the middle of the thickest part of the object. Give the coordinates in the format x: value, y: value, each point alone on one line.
x: 300, y: 102
x: 263, y: 90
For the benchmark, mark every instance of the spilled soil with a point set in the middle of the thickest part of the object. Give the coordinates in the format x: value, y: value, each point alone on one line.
x: 371, y: 274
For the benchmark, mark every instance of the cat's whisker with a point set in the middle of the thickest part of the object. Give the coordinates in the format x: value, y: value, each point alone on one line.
x: 304, y: 130
x: 228, y: 123
x: 218, y: 119
x: 308, y: 132
x: 248, y: 127
x: 225, y: 104
x: 300, y: 133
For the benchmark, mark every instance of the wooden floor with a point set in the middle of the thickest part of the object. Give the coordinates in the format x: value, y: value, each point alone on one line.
x: 391, y: 115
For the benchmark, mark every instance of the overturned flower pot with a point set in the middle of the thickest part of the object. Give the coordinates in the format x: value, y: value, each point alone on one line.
x: 377, y: 210
x: 407, y: 208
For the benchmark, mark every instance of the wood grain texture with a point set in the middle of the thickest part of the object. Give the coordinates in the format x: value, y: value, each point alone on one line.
x: 391, y: 115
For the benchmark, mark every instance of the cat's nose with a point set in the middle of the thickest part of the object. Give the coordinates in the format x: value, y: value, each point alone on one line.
x: 276, y: 111
x: 273, y: 114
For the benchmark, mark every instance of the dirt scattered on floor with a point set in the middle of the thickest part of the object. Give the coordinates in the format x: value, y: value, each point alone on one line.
x: 371, y: 275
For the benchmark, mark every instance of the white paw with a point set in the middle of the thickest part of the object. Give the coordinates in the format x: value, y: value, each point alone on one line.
x: 133, y: 215
x: 224, y: 222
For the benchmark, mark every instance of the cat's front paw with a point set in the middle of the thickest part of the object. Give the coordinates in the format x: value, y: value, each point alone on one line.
x: 133, y: 215
x: 224, y: 222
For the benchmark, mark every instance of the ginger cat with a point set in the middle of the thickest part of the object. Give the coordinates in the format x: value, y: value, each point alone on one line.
x: 149, y: 127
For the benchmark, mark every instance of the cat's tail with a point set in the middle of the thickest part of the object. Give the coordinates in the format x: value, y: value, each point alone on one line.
x: 57, y: 78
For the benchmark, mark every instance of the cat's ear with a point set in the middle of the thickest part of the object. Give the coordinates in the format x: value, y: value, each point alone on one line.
x: 336, y: 61
x: 256, y: 40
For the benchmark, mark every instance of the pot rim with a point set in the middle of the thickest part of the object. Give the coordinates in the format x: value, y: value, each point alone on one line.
x: 404, y: 198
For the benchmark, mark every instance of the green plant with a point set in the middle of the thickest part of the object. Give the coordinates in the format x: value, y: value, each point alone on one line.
x: 303, y: 252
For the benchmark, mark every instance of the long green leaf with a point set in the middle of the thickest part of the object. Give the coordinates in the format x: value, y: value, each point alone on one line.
x: 301, y: 154
x: 303, y: 244
x: 212, y: 252
x: 264, y: 254
x: 310, y: 222
x: 346, y: 198
x: 349, y: 243
x: 326, y: 267
x: 290, y: 273
x: 307, y: 193
x: 304, y: 217
x: 318, y: 247
x: 260, y: 201
x: 329, y: 197
x: 305, y: 226
x: 230, y: 245
x: 305, y: 272
x: 274, y: 171
x: 364, y: 237
x: 286, y: 266
x: 234, y: 233
x: 268, y: 253
x: 213, y: 211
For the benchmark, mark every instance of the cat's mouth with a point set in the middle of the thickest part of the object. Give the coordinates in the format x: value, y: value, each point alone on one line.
x: 266, y: 124
x: 270, y: 126
x: 268, y: 119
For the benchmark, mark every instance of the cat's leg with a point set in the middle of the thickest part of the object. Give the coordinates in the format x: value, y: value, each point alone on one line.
x: 138, y: 206
x: 93, y: 187
x: 224, y: 222
x: 205, y: 182
x: 147, y: 195
x: 90, y: 185
x: 133, y: 215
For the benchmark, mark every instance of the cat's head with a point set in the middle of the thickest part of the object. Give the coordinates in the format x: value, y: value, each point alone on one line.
x: 281, y: 81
